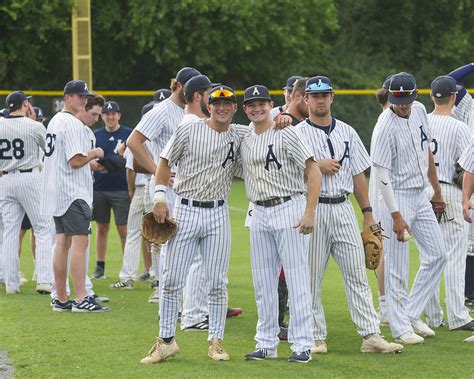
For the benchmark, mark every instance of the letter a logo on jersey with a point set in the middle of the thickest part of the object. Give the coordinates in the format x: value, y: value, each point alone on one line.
x: 424, y: 137
x: 255, y: 91
x: 230, y: 154
x: 271, y: 158
x: 346, y: 153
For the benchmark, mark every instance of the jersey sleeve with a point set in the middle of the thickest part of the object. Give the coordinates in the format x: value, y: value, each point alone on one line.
x: 360, y: 160
x: 296, y: 147
x: 40, y: 136
x: 74, y: 141
x: 383, y: 147
x: 177, y: 145
x: 152, y: 123
x: 128, y: 155
x: 467, y: 159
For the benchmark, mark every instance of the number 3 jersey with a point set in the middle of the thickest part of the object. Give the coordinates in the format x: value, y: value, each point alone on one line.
x: 66, y: 137
x: 22, y: 143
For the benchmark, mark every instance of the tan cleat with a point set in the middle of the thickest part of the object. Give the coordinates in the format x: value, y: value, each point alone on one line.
x: 216, y: 350
x: 410, y: 338
x: 43, y: 288
x: 376, y: 344
x: 160, y: 351
x: 319, y: 347
x: 469, y: 339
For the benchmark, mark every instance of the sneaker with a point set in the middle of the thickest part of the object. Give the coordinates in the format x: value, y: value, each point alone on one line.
x: 88, y: 305
x: 410, y: 338
x: 283, y: 335
x: 303, y: 357
x: 99, y: 273
x: 376, y: 344
x: 155, y: 296
x: 202, y: 326
x: 43, y: 288
x: 233, y: 312
x: 422, y: 329
x: 128, y: 285
x: 160, y: 351
x: 261, y: 354
x: 469, y: 339
x: 100, y: 299
x: 59, y: 306
x: 145, y: 275
x: 319, y: 347
x: 216, y: 351
x: 468, y: 326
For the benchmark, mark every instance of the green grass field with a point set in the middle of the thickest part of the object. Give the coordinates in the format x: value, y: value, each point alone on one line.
x: 44, y: 344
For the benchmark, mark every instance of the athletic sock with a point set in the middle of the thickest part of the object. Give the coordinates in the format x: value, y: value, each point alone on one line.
x: 168, y: 340
x: 101, y: 264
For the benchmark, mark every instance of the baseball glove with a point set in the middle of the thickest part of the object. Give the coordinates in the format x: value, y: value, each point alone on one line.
x: 373, y: 247
x: 458, y: 176
x: 439, y: 209
x: 156, y: 233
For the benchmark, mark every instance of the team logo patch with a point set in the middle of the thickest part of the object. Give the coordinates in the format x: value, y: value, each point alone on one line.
x: 255, y: 91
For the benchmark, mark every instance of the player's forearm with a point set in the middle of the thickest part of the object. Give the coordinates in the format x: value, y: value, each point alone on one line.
x: 130, y: 174
x: 361, y: 192
x: 384, y: 185
x: 467, y: 187
x: 78, y: 161
x: 432, y: 174
x: 135, y: 144
x: 162, y: 173
x: 313, y: 175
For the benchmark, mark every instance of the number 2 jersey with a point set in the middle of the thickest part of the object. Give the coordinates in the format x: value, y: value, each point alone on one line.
x: 22, y: 143
x: 66, y: 137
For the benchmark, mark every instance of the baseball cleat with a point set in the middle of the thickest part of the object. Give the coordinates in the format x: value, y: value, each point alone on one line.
x: 202, y: 326
x: 59, y: 306
x: 410, y: 338
x: 319, y: 347
x: 468, y: 326
x: 155, y: 296
x: 261, y: 354
x: 145, y: 275
x: 303, y: 357
x: 376, y: 344
x: 233, y: 312
x: 43, y: 288
x: 160, y: 351
x: 283, y: 335
x: 216, y: 351
x: 88, y: 305
x: 469, y: 339
x: 422, y: 329
x: 128, y: 285
x: 99, y: 273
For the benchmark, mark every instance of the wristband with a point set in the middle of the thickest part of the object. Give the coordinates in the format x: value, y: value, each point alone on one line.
x: 160, y: 188
x: 160, y: 194
x: 366, y: 209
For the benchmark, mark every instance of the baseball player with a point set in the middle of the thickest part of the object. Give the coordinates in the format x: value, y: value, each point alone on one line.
x: 204, y: 153
x: 275, y: 163
x: 343, y: 161
x: 404, y: 166
x: 67, y: 196
x: 287, y: 91
x: 450, y: 138
x: 22, y: 144
x: 158, y: 97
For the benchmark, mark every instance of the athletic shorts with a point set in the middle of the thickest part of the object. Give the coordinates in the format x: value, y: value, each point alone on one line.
x: 104, y: 201
x: 76, y: 221
x: 26, y: 224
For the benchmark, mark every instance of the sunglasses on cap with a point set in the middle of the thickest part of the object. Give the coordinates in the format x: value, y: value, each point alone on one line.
x: 403, y: 93
x: 223, y: 94
x: 321, y: 86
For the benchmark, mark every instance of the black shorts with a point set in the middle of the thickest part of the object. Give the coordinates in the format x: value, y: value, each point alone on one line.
x: 26, y: 223
x: 76, y: 221
x: 104, y: 201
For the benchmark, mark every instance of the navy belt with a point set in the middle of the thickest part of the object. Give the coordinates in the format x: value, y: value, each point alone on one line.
x: 202, y: 204
x: 332, y: 200
x: 21, y: 171
x: 273, y: 202
x: 441, y: 181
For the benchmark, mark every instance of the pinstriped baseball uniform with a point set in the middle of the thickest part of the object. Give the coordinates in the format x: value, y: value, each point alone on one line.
x: 338, y: 230
x: 467, y: 159
x: 450, y: 139
x: 22, y: 144
x: 273, y: 165
x: 401, y: 146
x: 205, y: 161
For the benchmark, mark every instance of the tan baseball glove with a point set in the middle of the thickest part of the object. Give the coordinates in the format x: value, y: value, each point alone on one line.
x: 373, y: 247
x: 156, y: 233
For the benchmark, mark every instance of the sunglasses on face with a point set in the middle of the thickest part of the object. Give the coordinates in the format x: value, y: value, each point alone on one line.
x: 222, y: 93
x: 403, y: 93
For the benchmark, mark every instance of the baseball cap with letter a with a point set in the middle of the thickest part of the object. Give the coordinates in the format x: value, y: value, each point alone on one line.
x: 222, y: 93
x: 76, y: 87
x: 318, y: 84
x: 256, y: 92
x: 402, y: 89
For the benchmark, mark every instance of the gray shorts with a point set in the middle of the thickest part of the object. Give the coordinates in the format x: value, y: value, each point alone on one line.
x: 76, y: 221
x: 104, y: 201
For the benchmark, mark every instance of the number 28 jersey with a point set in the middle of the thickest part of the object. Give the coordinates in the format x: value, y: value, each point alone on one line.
x: 66, y: 137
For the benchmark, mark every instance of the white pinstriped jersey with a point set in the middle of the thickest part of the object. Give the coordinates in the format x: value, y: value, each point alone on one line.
x: 467, y: 159
x: 22, y: 143
x: 204, y: 158
x: 450, y: 138
x: 159, y: 124
x: 66, y: 137
x: 274, y: 163
x: 140, y: 179
x: 464, y: 111
x: 401, y: 145
x: 343, y: 144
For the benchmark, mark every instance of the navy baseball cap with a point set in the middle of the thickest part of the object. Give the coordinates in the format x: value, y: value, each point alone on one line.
x: 256, y: 92
x: 110, y: 106
x: 148, y: 107
x: 290, y: 83
x: 386, y: 83
x: 161, y: 94
x: 318, y: 84
x: 76, y: 87
x: 196, y: 83
x: 4, y: 112
x: 185, y: 74
x: 14, y: 100
x: 444, y: 86
x: 222, y: 93
x: 39, y: 114
x: 402, y: 89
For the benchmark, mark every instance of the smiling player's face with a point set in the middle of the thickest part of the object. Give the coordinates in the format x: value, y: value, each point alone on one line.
x: 258, y: 110
x: 222, y: 111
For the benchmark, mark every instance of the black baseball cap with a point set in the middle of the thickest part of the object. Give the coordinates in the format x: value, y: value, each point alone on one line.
x: 39, y: 114
x: 161, y: 94
x: 318, y: 84
x: 76, y: 87
x: 290, y: 83
x: 386, y: 83
x: 110, y: 106
x: 14, y: 100
x: 196, y: 83
x: 185, y: 74
x: 402, y: 89
x: 148, y: 107
x: 256, y: 92
x: 444, y: 86
x: 222, y: 92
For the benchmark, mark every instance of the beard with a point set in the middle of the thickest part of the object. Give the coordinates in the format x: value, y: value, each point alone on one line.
x: 204, y: 108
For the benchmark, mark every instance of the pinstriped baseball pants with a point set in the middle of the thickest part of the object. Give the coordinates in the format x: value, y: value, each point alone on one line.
x: 337, y: 234
x: 402, y: 307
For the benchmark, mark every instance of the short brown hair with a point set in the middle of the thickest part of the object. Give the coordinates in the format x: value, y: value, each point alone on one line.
x: 173, y: 85
x: 94, y: 100
x: 382, y: 96
x: 442, y: 101
x: 299, y: 86
x: 190, y: 96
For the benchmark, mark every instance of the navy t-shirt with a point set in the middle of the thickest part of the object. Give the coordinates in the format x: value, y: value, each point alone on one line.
x: 110, y: 142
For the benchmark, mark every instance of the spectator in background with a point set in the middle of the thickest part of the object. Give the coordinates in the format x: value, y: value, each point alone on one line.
x: 110, y: 189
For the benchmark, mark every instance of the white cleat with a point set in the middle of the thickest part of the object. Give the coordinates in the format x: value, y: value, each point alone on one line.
x: 376, y: 344
x: 409, y: 338
x: 319, y: 347
x: 469, y: 339
x: 422, y: 329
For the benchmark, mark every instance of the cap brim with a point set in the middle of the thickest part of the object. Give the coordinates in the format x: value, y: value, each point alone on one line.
x: 325, y: 91
x: 401, y: 100
x: 257, y: 98
x: 286, y: 87
x: 28, y: 97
